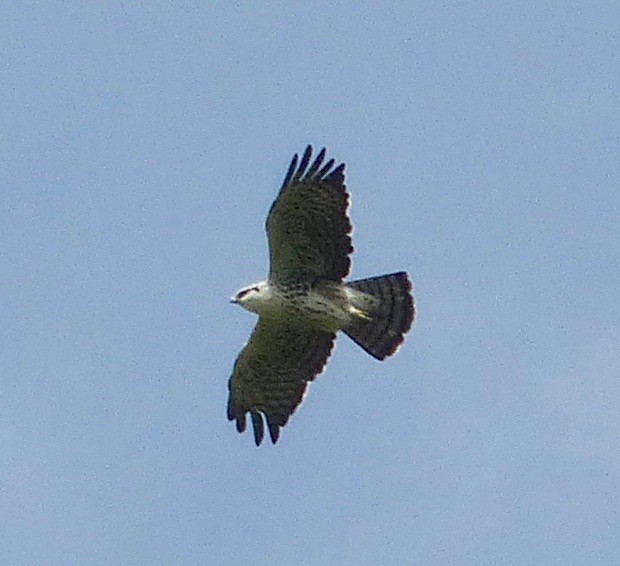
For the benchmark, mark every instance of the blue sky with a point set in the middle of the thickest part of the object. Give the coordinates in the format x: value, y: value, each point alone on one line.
x: 142, y: 144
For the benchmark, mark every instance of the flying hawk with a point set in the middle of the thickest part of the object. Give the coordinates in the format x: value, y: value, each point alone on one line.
x: 304, y: 301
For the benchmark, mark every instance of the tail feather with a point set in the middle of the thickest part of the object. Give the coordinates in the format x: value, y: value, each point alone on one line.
x: 382, y: 328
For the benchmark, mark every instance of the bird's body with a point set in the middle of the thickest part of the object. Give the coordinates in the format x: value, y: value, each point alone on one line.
x: 304, y: 302
x: 324, y: 306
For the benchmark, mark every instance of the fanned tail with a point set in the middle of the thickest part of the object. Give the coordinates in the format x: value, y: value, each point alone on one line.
x: 382, y: 328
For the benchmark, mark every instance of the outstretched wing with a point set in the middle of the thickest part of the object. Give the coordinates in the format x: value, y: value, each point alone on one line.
x: 272, y: 372
x: 308, y: 226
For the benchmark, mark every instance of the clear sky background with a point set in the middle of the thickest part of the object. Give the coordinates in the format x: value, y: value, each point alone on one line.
x: 141, y: 146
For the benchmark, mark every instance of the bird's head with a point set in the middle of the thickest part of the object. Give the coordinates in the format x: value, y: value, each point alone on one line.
x: 252, y: 297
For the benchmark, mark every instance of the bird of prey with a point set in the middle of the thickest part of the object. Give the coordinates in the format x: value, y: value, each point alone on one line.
x: 304, y: 301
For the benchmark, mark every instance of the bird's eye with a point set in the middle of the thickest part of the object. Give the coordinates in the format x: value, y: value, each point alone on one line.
x: 243, y: 293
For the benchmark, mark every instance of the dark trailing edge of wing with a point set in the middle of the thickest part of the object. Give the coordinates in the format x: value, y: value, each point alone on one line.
x: 297, y: 174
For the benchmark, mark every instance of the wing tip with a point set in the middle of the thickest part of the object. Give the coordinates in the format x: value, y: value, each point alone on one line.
x: 240, y: 423
x: 299, y: 171
x: 303, y: 164
x: 274, y: 430
x: 291, y: 171
x: 336, y: 177
x: 258, y: 425
x: 259, y: 428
